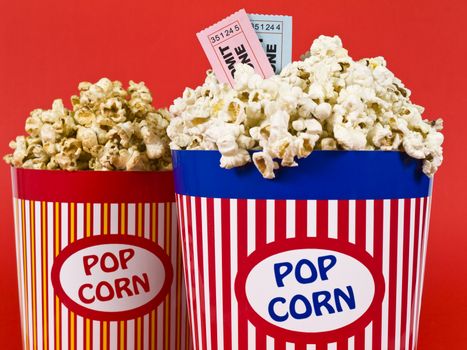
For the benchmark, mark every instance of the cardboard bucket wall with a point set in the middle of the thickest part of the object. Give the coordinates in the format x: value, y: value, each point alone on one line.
x: 328, y: 256
x: 99, y: 260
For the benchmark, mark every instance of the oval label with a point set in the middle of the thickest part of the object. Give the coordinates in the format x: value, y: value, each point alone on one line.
x: 309, y: 288
x: 112, y: 277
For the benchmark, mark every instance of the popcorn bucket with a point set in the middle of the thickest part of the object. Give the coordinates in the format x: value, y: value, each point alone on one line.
x: 99, y: 260
x: 329, y: 255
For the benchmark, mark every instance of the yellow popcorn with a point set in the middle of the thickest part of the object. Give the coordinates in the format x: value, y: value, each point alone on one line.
x: 108, y: 128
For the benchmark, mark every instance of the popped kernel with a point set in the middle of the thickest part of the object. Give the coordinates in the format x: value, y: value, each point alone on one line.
x: 108, y: 128
x: 325, y: 101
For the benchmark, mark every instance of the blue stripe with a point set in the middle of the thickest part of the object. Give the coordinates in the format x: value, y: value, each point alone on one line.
x: 322, y: 175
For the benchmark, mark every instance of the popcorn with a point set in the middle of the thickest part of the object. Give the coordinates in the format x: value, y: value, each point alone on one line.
x: 325, y: 101
x: 108, y: 128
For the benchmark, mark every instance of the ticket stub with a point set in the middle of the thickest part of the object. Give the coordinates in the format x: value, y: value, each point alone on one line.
x: 231, y: 41
x: 275, y: 34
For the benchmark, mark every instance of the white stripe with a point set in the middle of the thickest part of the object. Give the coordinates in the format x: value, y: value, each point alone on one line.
x: 251, y: 226
x: 332, y: 218
x: 80, y: 220
x: 311, y: 347
x: 352, y: 221
x: 269, y: 221
x: 64, y: 225
x: 351, y: 344
x: 370, y: 233
x: 369, y: 337
x: 64, y: 242
x: 410, y: 272
x: 113, y: 335
x: 204, y: 230
x: 400, y: 253
x: 80, y: 334
x: 28, y: 269
x: 96, y: 218
x: 188, y: 266
x: 290, y: 218
x: 251, y: 337
x: 19, y: 261
x: 130, y: 334
x: 218, y: 269
x: 96, y: 334
x: 114, y: 218
x: 38, y: 217
x: 146, y: 331
x: 147, y: 220
x: 50, y: 257
x: 269, y: 343
x: 161, y: 225
x: 386, y: 245
x: 289, y: 346
x: 96, y: 230
x: 311, y: 218
x: 332, y: 346
x: 161, y: 242
x: 131, y: 219
x: 160, y: 326
x: 194, y: 238
x: 233, y: 271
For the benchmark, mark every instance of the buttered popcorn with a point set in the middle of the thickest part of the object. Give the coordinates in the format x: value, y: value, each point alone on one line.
x: 108, y: 128
x: 325, y: 101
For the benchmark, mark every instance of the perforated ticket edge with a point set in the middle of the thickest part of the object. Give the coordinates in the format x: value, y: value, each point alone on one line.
x: 286, y: 52
x: 241, y: 16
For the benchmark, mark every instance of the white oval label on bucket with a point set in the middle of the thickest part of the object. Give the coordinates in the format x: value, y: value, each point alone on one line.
x: 308, y: 286
x: 112, y: 277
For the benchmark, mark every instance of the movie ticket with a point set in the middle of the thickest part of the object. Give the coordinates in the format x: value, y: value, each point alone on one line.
x: 231, y: 41
x: 275, y: 34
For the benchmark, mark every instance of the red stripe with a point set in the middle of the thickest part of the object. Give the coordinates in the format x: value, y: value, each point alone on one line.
x: 418, y: 222
x: 242, y: 254
x: 360, y: 241
x: 343, y: 220
x: 181, y: 218
x: 378, y: 256
x: 300, y: 231
x: 421, y: 265
x: 359, y: 340
x: 392, y: 273
x: 260, y: 241
x: 280, y: 224
x: 343, y: 235
x: 199, y: 233
x: 192, y: 263
x: 405, y: 271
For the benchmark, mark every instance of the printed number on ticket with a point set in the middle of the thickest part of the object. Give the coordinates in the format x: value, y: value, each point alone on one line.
x: 275, y: 34
x: 231, y: 41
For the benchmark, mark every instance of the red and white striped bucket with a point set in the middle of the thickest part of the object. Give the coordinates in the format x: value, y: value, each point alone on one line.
x: 330, y: 255
x: 99, y: 260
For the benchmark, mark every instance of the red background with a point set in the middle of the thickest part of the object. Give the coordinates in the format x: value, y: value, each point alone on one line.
x: 47, y: 47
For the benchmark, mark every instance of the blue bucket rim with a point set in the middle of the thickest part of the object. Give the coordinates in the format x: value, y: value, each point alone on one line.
x: 337, y: 174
